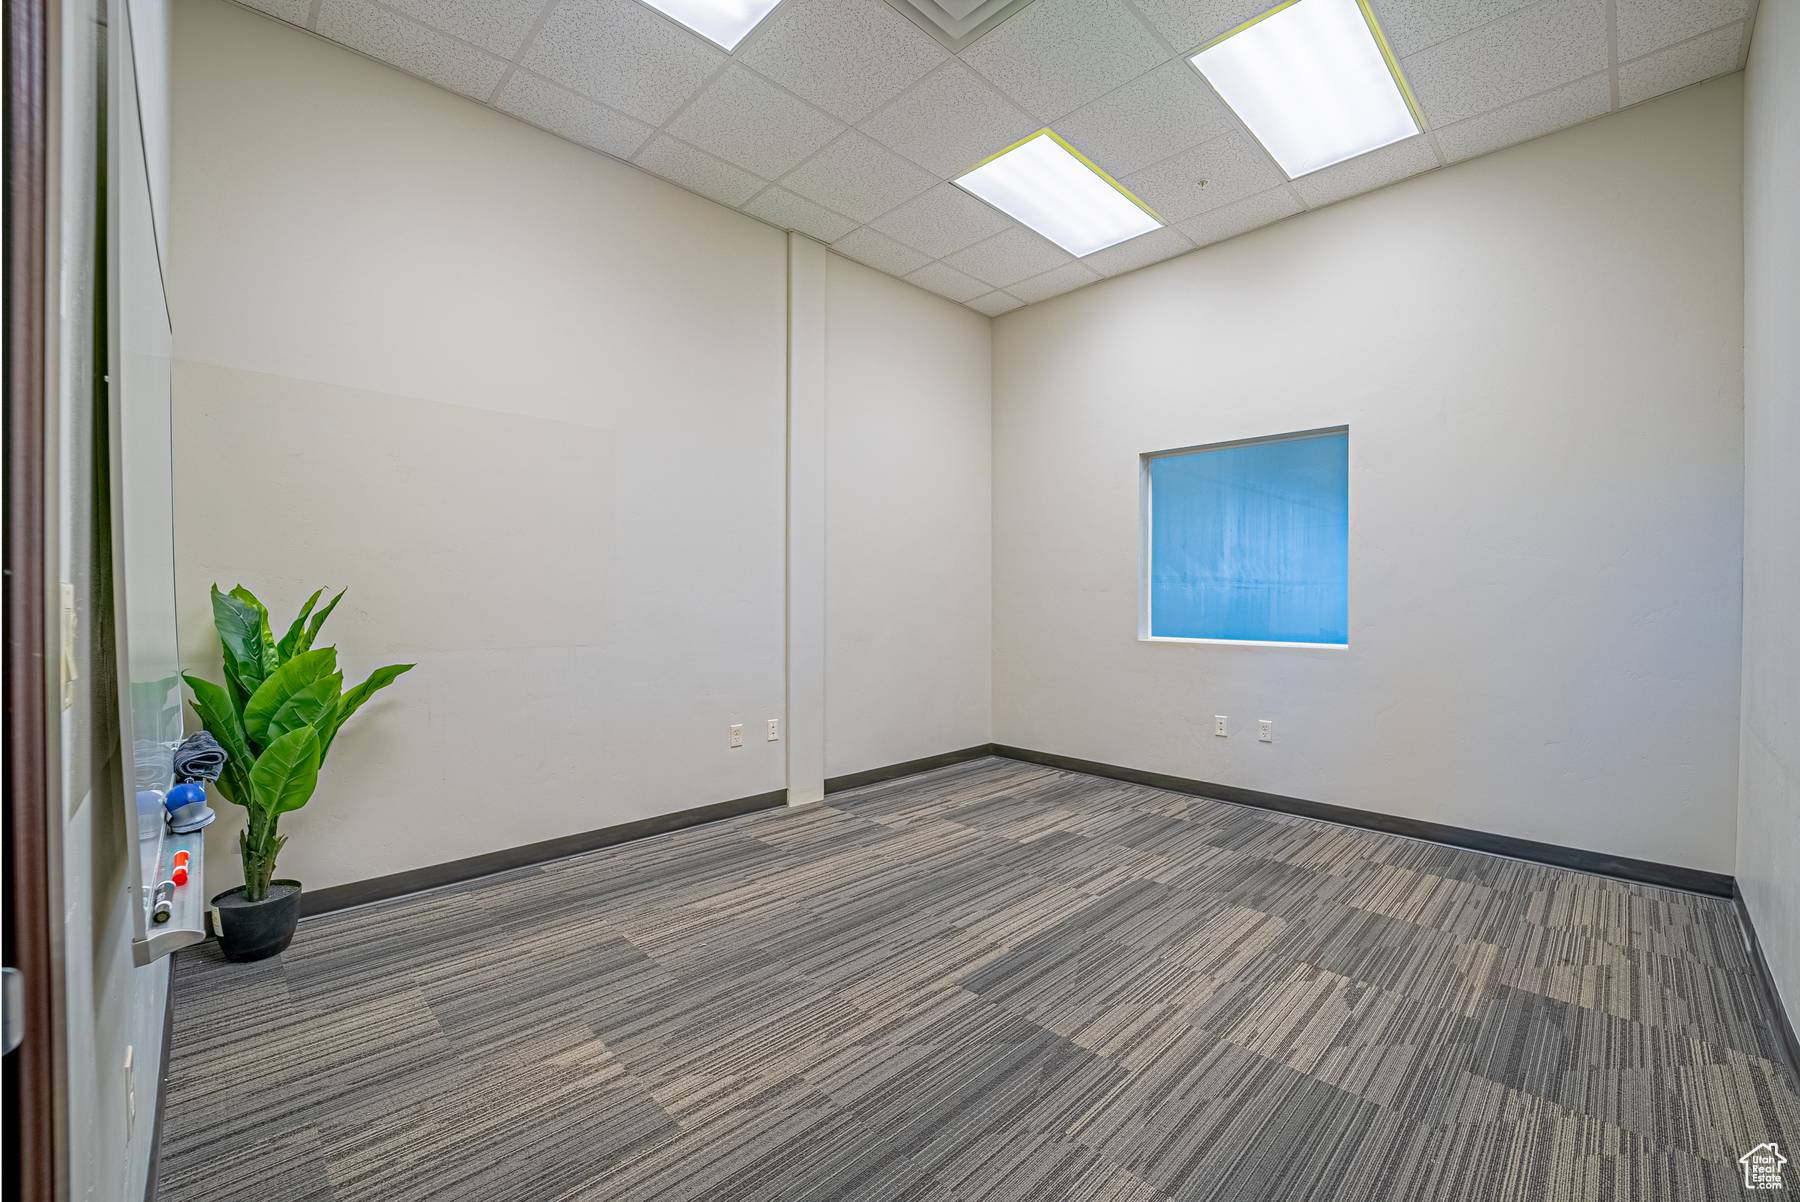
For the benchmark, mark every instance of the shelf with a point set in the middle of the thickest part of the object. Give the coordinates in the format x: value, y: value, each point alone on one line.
x: 187, y: 921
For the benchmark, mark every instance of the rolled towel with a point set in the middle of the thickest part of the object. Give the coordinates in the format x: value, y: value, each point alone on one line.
x: 199, y: 758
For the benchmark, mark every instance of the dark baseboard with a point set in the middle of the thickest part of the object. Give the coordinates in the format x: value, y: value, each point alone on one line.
x: 162, y: 1087
x: 874, y: 776
x: 1783, y: 1023
x: 1647, y: 872
x: 432, y: 876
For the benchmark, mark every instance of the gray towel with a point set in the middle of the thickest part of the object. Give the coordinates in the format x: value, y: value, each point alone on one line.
x: 199, y: 758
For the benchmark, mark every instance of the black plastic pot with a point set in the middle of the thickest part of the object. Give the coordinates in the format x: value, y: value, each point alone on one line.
x: 257, y: 930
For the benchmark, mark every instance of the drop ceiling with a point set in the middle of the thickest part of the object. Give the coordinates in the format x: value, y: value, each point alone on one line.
x: 845, y: 120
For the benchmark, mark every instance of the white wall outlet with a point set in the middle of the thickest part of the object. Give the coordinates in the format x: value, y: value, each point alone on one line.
x: 1219, y: 727
x: 737, y: 734
x: 774, y: 730
x: 1265, y: 730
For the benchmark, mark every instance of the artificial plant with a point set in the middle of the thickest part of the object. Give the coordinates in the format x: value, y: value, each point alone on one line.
x: 276, y: 716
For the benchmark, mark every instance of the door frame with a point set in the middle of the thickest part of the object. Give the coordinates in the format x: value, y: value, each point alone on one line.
x: 34, y: 1166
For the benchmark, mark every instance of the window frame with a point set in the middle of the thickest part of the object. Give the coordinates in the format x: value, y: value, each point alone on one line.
x: 1145, y: 539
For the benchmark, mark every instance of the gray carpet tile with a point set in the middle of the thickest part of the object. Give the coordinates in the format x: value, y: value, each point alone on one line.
x: 986, y: 983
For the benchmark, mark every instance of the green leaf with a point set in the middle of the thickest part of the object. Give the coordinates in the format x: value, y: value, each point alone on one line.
x: 299, y: 673
x: 318, y: 621
x: 290, y: 642
x: 220, y: 719
x: 240, y: 637
x: 287, y: 772
x: 265, y: 641
x: 316, y: 706
x: 353, y: 700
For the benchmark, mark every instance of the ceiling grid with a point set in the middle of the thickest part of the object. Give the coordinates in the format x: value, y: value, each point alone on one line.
x: 845, y: 120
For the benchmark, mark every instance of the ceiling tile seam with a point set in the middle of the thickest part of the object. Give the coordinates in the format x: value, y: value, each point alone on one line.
x: 312, y: 13
x: 1612, y: 55
x: 1463, y: 33
x: 1131, y: 11
x: 409, y: 19
x: 1237, y: 122
x: 413, y: 75
x: 861, y: 127
x: 780, y: 183
x: 1676, y: 46
x: 517, y: 61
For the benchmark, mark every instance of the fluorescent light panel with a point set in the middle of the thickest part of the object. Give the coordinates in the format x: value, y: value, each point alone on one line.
x: 1043, y: 184
x: 1311, y: 83
x: 722, y: 21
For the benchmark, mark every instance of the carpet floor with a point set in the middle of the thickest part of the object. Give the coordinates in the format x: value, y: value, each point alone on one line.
x: 992, y: 981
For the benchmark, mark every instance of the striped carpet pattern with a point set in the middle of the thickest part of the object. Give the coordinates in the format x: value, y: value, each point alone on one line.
x: 995, y: 981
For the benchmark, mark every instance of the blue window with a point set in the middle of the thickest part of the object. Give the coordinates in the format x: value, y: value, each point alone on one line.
x: 1251, y: 541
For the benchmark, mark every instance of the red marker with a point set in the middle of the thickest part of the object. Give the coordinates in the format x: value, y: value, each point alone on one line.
x: 180, y: 874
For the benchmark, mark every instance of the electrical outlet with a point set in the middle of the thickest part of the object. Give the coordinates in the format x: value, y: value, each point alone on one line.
x: 1265, y: 730
x: 737, y: 734
x: 1219, y: 726
x: 774, y: 730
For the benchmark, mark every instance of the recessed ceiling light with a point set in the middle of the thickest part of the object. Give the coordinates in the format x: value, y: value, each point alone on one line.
x: 1048, y: 185
x: 724, y: 22
x: 1314, y: 80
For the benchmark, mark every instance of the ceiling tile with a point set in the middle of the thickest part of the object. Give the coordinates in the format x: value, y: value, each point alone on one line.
x: 1161, y: 113
x: 1517, y: 56
x: 296, y: 12
x: 1056, y: 55
x: 879, y: 251
x: 1008, y: 257
x: 995, y: 303
x: 1242, y: 217
x: 1232, y: 166
x: 745, y: 119
x: 849, y: 57
x: 1052, y: 283
x: 496, y: 25
x: 1712, y: 54
x: 947, y: 282
x: 1556, y: 109
x: 1647, y: 25
x: 1366, y: 172
x: 859, y: 176
x: 410, y: 46
x: 576, y: 118
x: 777, y: 206
x: 1412, y: 25
x: 697, y: 171
x: 625, y: 56
x: 1190, y: 24
x: 1141, y: 251
x: 942, y: 221
x: 949, y: 121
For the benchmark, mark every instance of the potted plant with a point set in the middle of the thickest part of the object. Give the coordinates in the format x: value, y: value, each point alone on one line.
x: 281, y: 706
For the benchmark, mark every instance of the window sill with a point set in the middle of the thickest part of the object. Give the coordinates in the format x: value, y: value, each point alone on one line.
x: 1163, y: 638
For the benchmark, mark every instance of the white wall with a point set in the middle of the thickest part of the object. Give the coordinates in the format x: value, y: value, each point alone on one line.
x: 908, y: 618
x: 529, y: 405
x: 526, y: 403
x: 1769, y: 783
x: 1538, y: 357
